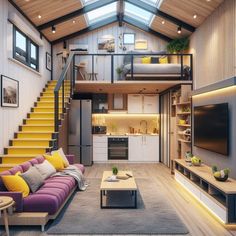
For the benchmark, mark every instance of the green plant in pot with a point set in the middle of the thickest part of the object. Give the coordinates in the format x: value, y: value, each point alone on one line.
x: 178, y: 45
x: 119, y: 72
x: 220, y: 175
x: 114, y: 170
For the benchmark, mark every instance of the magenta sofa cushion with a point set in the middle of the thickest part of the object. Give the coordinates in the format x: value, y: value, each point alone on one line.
x: 16, y: 169
x: 25, y: 166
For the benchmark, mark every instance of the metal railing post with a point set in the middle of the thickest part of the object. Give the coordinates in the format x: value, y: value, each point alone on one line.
x: 56, y: 115
x: 182, y: 69
x: 112, y: 69
x: 63, y: 94
x: 132, y: 66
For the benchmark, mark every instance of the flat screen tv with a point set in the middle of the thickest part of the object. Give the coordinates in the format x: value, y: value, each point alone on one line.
x: 211, y: 128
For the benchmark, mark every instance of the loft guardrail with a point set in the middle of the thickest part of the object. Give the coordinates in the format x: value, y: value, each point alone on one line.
x: 180, y: 57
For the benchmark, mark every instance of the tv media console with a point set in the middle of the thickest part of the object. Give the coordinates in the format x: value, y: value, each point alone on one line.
x: 218, y: 197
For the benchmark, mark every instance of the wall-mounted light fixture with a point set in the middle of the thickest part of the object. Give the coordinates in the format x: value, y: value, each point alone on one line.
x: 179, y: 30
x: 53, y: 29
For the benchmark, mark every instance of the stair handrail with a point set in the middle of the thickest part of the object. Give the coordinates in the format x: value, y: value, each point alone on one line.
x: 60, y: 83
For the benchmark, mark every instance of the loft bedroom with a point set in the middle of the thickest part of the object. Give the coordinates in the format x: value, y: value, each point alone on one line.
x: 120, y: 42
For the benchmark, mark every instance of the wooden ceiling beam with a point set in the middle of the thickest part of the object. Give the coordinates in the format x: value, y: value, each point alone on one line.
x: 82, y: 11
x: 162, y: 14
x: 92, y: 27
x: 138, y: 24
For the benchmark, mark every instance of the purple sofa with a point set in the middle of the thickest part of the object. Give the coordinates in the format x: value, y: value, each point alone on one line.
x: 50, y: 197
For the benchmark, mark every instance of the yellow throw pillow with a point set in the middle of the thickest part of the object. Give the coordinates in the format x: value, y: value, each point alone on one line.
x: 55, y: 160
x: 15, y: 183
x: 163, y: 60
x: 61, y: 153
x: 146, y: 60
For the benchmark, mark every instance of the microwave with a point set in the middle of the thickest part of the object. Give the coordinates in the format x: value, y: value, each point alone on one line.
x: 99, y: 129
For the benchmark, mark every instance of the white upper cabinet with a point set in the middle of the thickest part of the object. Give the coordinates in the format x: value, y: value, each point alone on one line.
x: 135, y: 103
x: 147, y: 104
x: 150, y: 104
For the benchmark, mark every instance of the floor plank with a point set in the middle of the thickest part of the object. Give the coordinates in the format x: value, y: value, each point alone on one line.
x: 199, y: 221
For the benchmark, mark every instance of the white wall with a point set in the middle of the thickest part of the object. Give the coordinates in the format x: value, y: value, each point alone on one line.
x: 91, y: 39
x: 30, y: 83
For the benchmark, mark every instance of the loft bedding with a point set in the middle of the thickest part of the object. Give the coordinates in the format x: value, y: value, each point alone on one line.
x: 152, y: 69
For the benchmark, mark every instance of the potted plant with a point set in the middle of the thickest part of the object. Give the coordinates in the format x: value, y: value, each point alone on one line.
x: 119, y: 71
x: 178, y: 45
x: 114, y: 170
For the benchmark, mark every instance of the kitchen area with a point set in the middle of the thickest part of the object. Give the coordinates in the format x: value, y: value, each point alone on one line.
x: 115, y: 128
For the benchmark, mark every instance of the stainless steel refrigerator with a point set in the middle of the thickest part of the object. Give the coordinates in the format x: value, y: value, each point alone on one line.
x: 80, y: 131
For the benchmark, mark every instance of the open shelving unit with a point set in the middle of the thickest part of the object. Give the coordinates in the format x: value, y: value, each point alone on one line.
x: 218, y: 197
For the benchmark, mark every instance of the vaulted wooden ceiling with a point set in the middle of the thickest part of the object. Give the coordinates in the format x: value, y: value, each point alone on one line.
x: 69, y: 16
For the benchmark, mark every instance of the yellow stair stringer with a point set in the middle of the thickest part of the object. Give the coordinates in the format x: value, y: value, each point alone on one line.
x: 36, y: 135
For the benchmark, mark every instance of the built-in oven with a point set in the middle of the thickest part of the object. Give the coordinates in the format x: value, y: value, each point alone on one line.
x: 118, y: 148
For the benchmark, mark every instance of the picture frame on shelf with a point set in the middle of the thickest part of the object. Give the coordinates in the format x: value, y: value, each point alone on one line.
x: 48, y: 61
x: 9, y: 92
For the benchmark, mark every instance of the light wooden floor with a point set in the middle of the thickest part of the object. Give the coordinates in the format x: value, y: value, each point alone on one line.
x: 198, y: 220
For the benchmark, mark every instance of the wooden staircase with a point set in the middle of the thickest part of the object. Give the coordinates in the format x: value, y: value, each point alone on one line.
x: 36, y: 135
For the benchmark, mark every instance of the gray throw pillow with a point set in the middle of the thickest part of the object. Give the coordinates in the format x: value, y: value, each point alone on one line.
x: 46, y: 169
x: 33, y: 178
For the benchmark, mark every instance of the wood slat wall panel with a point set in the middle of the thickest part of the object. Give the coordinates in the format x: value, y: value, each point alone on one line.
x: 213, y: 46
x: 66, y: 28
x: 169, y: 29
x: 185, y: 9
x: 48, y: 9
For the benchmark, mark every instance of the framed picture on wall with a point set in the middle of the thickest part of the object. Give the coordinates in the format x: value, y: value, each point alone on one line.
x: 106, y: 44
x: 48, y: 61
x: 9, y: 92
x: 128, y: 38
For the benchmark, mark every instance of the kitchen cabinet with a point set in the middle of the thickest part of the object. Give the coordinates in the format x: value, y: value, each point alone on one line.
x: 135, y: 103
x: 143, y: 104
x: 144, y: 148
x: 150, y: 104
x: 99, y: 148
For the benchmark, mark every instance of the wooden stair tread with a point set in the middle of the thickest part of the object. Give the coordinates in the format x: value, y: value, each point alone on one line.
x: 39, y: 119
x: 36, y: 125
x: 19, y: 155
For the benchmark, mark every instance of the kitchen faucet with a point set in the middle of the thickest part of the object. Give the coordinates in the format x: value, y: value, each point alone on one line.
x: 145, y: 122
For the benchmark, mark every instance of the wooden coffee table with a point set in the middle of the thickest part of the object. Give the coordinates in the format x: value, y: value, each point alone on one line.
x: 122, y: 185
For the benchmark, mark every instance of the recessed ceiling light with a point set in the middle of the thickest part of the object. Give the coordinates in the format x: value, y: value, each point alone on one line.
x: 73, y: 21
x: 208, y: 0
x: 163, y: 22
x: 39, y: 16
x: 194, y: 16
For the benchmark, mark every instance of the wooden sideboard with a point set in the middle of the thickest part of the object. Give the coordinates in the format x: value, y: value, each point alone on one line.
x: 218, y: 197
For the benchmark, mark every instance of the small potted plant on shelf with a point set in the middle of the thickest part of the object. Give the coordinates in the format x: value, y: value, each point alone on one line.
x: 221, y: 175
x: 119, y: 72
x: 114, y: 170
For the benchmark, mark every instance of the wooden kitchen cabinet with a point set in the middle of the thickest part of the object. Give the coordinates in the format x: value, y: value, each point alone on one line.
x: 143, y: 104
x: 150, y: 104
x: 144, y: 148
x: 135, y: 103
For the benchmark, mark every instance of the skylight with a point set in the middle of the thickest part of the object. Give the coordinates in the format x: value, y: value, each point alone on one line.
x: 138, y: 13
x: 102, y: 13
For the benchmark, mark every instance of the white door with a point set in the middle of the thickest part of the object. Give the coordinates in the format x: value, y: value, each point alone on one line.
x: 150, y: 148
x: 151, y: 104
x: 135, y: 103
x: 135, y: 148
